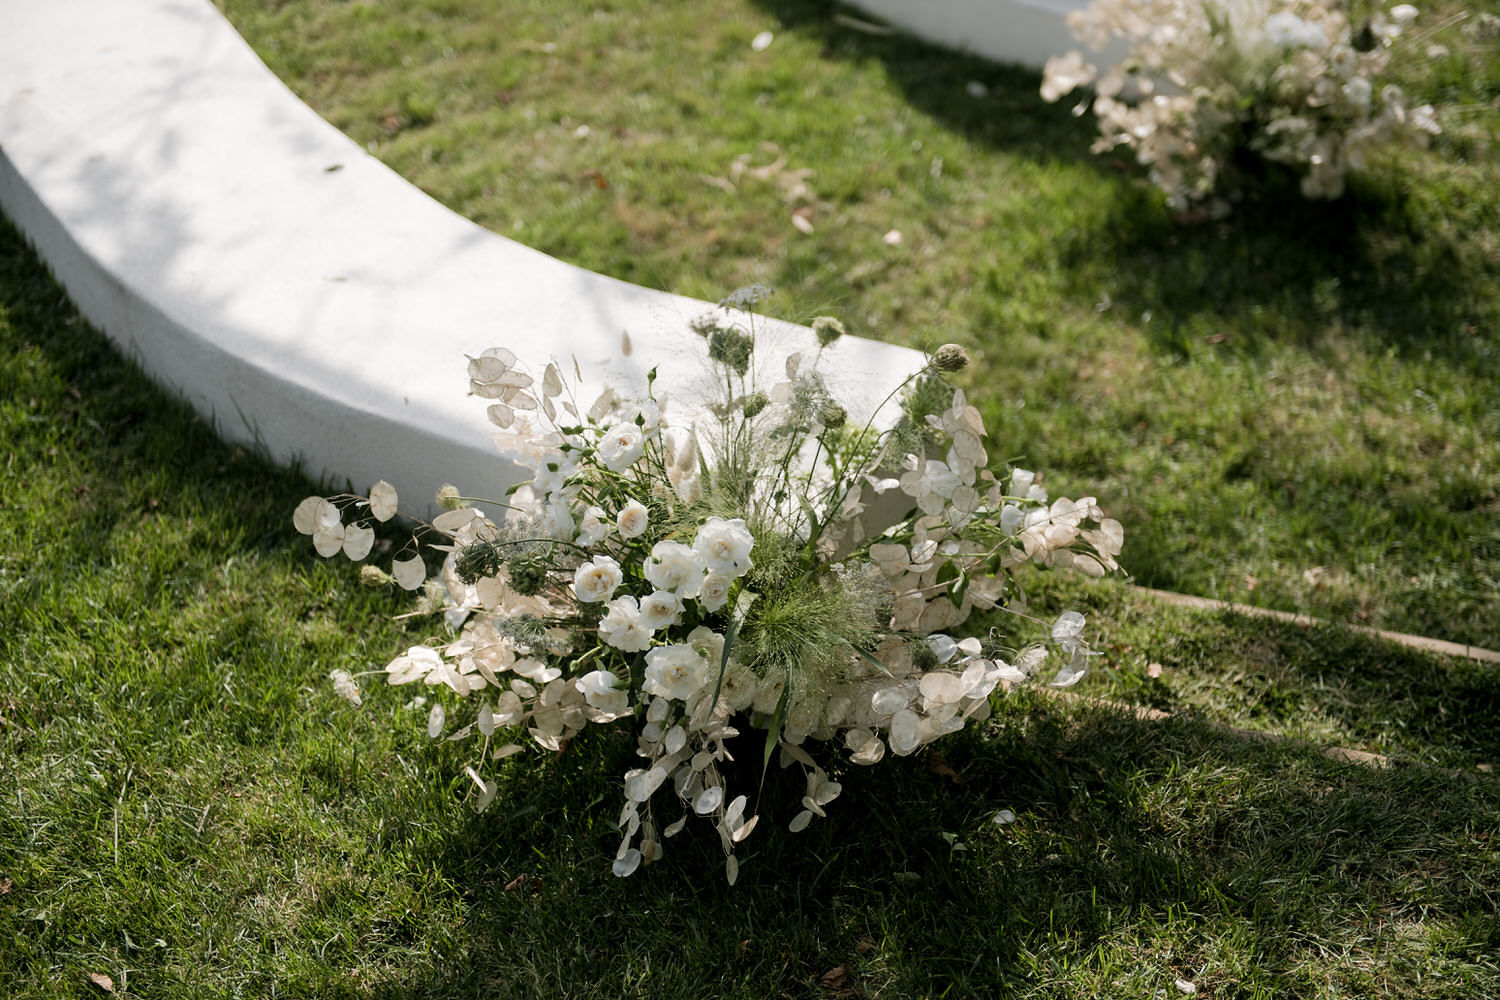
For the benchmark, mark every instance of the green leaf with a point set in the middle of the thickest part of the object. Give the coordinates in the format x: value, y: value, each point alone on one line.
x: 729, y: 636
x: 773, y: 731
x: 878, y: 665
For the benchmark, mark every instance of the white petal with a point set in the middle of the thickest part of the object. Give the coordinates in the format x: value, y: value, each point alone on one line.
x: 799, y: 822
x: 409, y: 572
x: 486, y: 720
x: 736, y: 811
x: 827, y: 792
x: 509, y: 750
x: 309, y: 515
x: 627, y: 863
x: 743, y: 831
x: 551, y: 382
x: 641, y: 785
x: 731, y: 869
x: 942, y: 688
x: 708, y: 800
x: 453, y: 521
x: 382, y: 501
x: 358, y: 540
x: 905, y: 732
x: 501, y: 415
x: 328, y: 541
x: 435, y: 720
x: 1069, y: 625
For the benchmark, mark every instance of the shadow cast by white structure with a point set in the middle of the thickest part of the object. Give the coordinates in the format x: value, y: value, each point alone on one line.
x: 284, y: 282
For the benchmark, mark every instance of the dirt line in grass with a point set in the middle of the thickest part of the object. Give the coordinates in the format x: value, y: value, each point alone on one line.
x: 1307, y: 621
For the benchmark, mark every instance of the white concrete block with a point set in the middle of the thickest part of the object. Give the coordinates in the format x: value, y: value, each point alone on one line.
x: 287, y: 284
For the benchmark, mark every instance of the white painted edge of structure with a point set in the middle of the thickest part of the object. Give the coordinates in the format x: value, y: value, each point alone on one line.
x: 1024, y: 32
x: 289, y: 286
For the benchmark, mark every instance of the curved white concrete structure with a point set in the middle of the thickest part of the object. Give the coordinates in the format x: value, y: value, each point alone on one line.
x: 1027, y: 32
x: 283, y: 281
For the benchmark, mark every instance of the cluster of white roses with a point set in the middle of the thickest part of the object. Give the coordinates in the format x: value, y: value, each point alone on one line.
x: 703, y: 571
x: 1203, y: 80
x: 611, y: 589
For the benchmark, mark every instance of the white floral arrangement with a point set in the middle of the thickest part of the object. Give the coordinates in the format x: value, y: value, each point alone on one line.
x: 1204, y: 80
x: 697, y: 581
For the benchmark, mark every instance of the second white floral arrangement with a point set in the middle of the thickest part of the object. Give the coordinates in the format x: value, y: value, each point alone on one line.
x: 696, y: 582
x: 1204, y: 81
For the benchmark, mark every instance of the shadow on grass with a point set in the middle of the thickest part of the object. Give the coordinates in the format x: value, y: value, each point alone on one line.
x: 1012, y: 116
x: 1125, y: 829
x: 1403, y: 701
x: 1285, y: 269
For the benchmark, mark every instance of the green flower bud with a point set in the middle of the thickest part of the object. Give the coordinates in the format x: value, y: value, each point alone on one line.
x: 448, y: 497
x: 374, y: 576
x: 755, y: 403
x: 950, y: 358
x: 832, y: 415
x: 827, y: 330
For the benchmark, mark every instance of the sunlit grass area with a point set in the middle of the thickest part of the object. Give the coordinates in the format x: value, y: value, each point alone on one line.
x: 1296, y: 407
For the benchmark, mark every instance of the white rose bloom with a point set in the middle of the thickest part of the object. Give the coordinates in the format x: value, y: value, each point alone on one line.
x: 597, y: 579
x: 621, y: 446
x: 632, y: 519
x: 715, y: 592
x: 675, y: 567
x: 708, y: 643
x: 725, y: 546
x: 674, y: 672
x: 608, y: 701
x: 660, y: 609
x: 623, y: 628
x: 592, y: 528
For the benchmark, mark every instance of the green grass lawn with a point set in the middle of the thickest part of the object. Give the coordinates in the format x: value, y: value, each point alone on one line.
x: 1302, y: 396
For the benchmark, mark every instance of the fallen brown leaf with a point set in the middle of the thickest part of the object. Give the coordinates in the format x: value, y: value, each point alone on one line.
x: 834, y: 978
x: 938, y: 766
x: 102, y: 981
